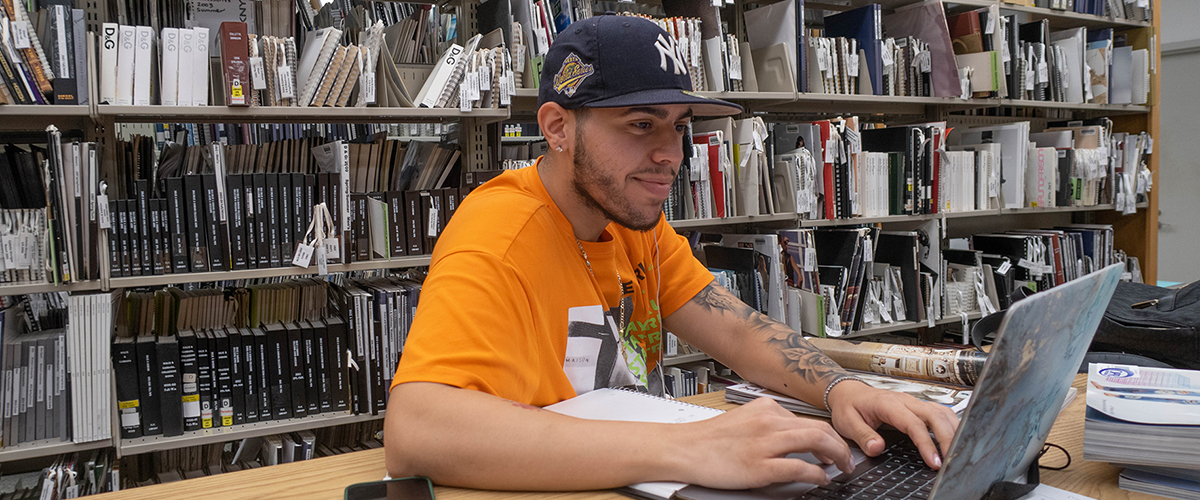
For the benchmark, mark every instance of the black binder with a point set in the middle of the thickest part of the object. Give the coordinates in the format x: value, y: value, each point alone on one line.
x: 262, y: 222
x: 131, y: 256
x: 1037, y: 33
x: 159, y: 256
x: 493, y: 14
x: 296, y: 362
x: 128, y: 396
x: 171, y: 389
x: 205, y: 380
x: 262, y: 356
x: 237, y: 222
x: 114, y: 241
x: 1069, y: 189
x: 141, y: 214
x: 1004, y: 280
x: 190, y: 380
x: 274, y: 221
x: 286, y: 214
x: 901, y: 249
x: 164, y: 236
x: 397, y: 236
x: 148, y: 385
x: 412, y: 219
x: 178, y: 224
x: 300, y: 212
x: 339, y: 381
x: 250, y: 225
x: 251, y: 371
x: 312, y: 395
x: 279, y: 370
x: 224, y: 378
x: 237, y: 374
x: 193, y: 193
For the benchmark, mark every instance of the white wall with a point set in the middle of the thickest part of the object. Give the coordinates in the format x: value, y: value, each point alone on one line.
x: 1180, y: 20
x: 1178, y: 147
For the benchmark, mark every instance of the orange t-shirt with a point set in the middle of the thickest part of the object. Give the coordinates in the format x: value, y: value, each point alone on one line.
x: 510, y: 309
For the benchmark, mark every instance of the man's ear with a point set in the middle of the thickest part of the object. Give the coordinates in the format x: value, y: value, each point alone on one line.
x: 558, y: 126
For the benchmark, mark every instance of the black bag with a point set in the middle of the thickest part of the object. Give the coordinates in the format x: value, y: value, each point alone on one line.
x: 1158, y: 323
x: 1144, y: 325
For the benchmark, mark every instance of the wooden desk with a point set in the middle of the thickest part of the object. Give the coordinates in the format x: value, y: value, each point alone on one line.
x: 327, y: 478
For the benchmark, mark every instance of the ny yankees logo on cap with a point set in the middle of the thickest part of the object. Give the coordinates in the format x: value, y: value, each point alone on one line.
x: 615, y: 61
x: 667, y: 49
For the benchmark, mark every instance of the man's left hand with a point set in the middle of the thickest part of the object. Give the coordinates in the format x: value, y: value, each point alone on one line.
x: 858, y: 409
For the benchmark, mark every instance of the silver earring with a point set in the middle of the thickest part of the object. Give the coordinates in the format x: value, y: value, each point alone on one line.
x: 559, y: 149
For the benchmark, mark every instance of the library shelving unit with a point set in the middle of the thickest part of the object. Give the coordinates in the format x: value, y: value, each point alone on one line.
x: 242, y: 431
x: 481, y: 137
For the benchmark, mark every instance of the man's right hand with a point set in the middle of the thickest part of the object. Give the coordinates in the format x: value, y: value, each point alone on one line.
x: 746, y: 448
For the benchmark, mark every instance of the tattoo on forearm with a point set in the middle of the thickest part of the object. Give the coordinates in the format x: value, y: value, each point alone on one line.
x: 797, y: 354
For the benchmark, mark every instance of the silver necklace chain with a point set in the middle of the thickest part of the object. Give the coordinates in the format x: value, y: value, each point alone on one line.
x: 620, y: 287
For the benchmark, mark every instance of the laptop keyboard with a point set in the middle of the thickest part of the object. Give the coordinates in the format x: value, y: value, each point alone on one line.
x: 896, y: 474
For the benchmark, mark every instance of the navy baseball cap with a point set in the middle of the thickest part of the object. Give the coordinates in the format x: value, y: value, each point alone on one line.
x: 620, y: 61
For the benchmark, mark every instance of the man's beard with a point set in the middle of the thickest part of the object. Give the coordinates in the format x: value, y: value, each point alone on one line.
x: 591, y: 177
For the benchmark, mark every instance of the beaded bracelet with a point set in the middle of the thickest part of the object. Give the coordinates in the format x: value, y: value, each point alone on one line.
x: 836, y: 382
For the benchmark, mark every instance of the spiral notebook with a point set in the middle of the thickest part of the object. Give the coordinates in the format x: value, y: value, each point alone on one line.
x: 632, y: 406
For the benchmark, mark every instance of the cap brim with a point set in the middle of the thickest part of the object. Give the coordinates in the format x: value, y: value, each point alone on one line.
x: 701, y: 106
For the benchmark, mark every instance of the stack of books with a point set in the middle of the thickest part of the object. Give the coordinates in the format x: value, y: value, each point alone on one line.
x: 843, y: 168
x: 43, y: 55
x: 1148, y: 421
x: 209, y: 358
x: 54, y: 373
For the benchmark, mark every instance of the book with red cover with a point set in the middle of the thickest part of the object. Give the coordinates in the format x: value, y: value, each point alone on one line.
x: 716, y: 177
x: 235, y: 62
x: 827, y: 170
x: 966, y: 36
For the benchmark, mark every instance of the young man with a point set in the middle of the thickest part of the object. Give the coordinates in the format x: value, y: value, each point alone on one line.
x: 558, y: 279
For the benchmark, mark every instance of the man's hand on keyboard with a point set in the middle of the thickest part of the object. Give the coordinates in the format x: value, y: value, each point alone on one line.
x: 859, y: 409
x: 744, y: 448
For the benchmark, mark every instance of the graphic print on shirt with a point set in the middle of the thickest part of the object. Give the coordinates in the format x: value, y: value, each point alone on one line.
x: 597, y: 357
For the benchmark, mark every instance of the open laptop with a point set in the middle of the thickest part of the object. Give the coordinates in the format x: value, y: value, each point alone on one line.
x: 1039, y: 346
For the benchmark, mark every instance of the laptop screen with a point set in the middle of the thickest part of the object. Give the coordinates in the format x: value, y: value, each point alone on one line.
x: 1039, y: 346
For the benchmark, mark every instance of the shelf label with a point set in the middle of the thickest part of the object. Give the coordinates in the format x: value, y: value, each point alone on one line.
x: 434, y: 223
x: 485, y: 79
x: 464, y: 100
x: 25, y: 245
x: 287, y: 89
x: 367, y: 87
x: 332, y: 246
x: 322, y: 261
x: 102, y: 214
x: 303, y: 257
x: 20, y: 33
x: 472, y: 86
x: 258, y: 75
